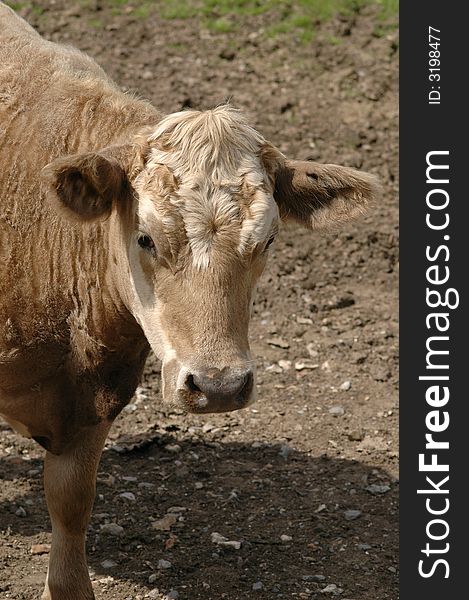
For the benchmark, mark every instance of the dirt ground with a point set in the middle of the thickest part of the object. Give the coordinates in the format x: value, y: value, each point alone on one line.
x: 306, y: 479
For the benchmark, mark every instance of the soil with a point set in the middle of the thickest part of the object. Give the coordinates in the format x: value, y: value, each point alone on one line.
x: 306, y: 479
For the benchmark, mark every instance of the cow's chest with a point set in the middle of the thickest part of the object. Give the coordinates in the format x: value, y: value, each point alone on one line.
x: 25, y: 367
x: 51, y: 396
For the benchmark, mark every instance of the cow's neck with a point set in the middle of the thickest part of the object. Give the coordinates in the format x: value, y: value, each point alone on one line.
x: 100, y: 302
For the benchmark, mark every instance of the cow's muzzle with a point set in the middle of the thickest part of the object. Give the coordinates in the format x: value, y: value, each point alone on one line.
x: 217, y: 390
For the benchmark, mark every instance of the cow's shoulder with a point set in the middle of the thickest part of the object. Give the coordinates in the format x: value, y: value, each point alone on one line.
x: 56, y: 387
x: 60, y: 406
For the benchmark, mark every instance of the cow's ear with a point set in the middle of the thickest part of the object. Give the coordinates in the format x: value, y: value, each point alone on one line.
x: 322, y: 196
x: 84, y: 186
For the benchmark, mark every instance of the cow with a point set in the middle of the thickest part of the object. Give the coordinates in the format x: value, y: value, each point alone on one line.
x: 124, y: 230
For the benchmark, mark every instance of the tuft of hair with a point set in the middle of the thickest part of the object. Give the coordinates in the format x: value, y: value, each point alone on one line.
x: 212, y: 142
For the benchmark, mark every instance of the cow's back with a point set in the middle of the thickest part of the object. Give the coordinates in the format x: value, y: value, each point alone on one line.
x: 11, y: 24
x: 54, y: 99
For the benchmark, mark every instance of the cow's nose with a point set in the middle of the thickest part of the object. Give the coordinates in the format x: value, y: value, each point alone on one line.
x: 224, y: 389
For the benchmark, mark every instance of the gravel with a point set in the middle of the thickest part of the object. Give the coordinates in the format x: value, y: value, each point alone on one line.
x: 332, y: 589
x: 165, y: 523
x: 112, y: 529
x: 258, y: 585
x: 351, y: 515
x: 108, y: 563
x: 220, y: 540
x: 376, y: 489
x: 129, y: 496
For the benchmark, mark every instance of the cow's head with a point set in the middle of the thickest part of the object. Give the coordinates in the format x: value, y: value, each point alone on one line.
x: 195, y: 204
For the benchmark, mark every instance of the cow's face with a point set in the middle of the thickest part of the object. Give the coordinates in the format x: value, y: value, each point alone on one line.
x: 197, y: 203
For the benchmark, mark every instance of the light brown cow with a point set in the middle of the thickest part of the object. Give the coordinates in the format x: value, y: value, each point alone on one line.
x: 120, y: 231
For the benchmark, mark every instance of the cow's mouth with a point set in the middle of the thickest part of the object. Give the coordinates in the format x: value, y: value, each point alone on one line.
x: 210, y: 389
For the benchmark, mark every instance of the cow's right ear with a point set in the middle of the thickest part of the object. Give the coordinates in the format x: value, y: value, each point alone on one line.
x: 84, y: 186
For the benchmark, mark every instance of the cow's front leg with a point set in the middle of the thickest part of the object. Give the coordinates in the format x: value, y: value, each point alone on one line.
x: 70, y: 484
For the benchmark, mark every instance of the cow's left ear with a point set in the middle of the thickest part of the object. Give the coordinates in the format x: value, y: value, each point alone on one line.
x: 84, y: 186
x: 322, y: 196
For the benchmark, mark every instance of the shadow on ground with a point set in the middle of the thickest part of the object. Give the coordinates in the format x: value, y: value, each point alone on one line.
x: 302, y: 521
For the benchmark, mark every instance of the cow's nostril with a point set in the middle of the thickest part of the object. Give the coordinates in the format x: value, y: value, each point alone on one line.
x: 221, y: 386
x: 191, y: 385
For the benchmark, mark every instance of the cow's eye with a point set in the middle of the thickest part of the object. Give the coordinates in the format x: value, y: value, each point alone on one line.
x: 145, y: 242
x: 269, y: 243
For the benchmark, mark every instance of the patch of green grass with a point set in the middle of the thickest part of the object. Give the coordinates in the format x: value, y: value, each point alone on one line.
x: 381, y: 30
x: 292, y: 16
x: 178, y: 9
x: 301, y: 25
x: 333, y: 40
x: 144, y: 10
x: 221, y: 25
x: 96, y: 23
x: 389, y: 9
x: 297, y: 17
x: 301, y: 21
x: 37, y: 10
x: 322, y: 10
x: 388, y: 18
x: 16, y: 5
x: 85, y: 3
x: 237, y: 7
